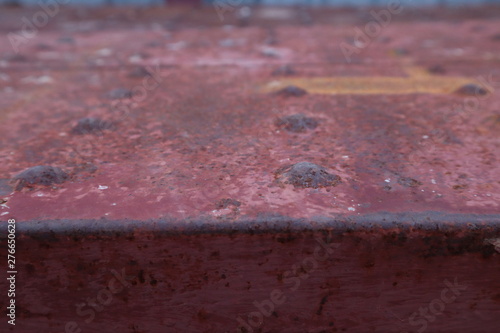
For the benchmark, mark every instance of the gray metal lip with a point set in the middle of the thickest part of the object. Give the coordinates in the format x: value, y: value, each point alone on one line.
x: 406, y: 222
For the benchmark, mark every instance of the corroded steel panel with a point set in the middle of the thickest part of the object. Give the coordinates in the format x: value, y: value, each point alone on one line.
x: 268, y: 173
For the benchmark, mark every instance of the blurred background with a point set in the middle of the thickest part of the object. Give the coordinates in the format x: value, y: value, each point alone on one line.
x: 263, y: 2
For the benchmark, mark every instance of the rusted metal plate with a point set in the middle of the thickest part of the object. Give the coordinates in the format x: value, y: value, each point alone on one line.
x: 210, y: 164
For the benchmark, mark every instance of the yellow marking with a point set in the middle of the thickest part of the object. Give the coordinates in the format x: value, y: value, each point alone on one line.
x: 417, y: 81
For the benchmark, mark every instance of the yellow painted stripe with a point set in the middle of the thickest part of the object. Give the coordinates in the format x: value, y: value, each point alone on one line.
x: 417, y: 81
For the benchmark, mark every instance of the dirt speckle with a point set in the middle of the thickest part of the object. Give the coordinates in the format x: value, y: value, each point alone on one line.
x: 306, y: 175
x: 408, y: 182
x: 39, y: 175
x: 296, y: 123
x: 321, y: 304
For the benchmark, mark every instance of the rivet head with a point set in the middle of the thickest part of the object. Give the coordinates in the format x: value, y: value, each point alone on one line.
x: 291, y: 91
x: 471, y: 90
x: 39, y: 175
x: 306, y: 175
x: 90, y: 126
x: 296, y: 123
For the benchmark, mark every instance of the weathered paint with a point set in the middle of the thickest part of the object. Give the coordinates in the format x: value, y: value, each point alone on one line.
x: 417, y: 81
x: 174, y: 176
x: 366, y: 274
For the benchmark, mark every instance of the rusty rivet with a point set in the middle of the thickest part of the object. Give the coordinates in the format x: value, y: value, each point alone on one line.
x: 471, y: 90
x: 39, y: 175
x: 291, y: 91
x: 119, y: 93
x: 408, y: 182
x: 297, y: 123
x: 90, y: 126
x: 306, y: 175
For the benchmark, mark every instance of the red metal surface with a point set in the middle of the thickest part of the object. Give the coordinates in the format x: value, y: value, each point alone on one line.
x: 351, y: 276
x: 181, y: 140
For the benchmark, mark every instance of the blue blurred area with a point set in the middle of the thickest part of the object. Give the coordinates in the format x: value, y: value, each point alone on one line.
x: 264, y: 2
x: 87, y: 2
